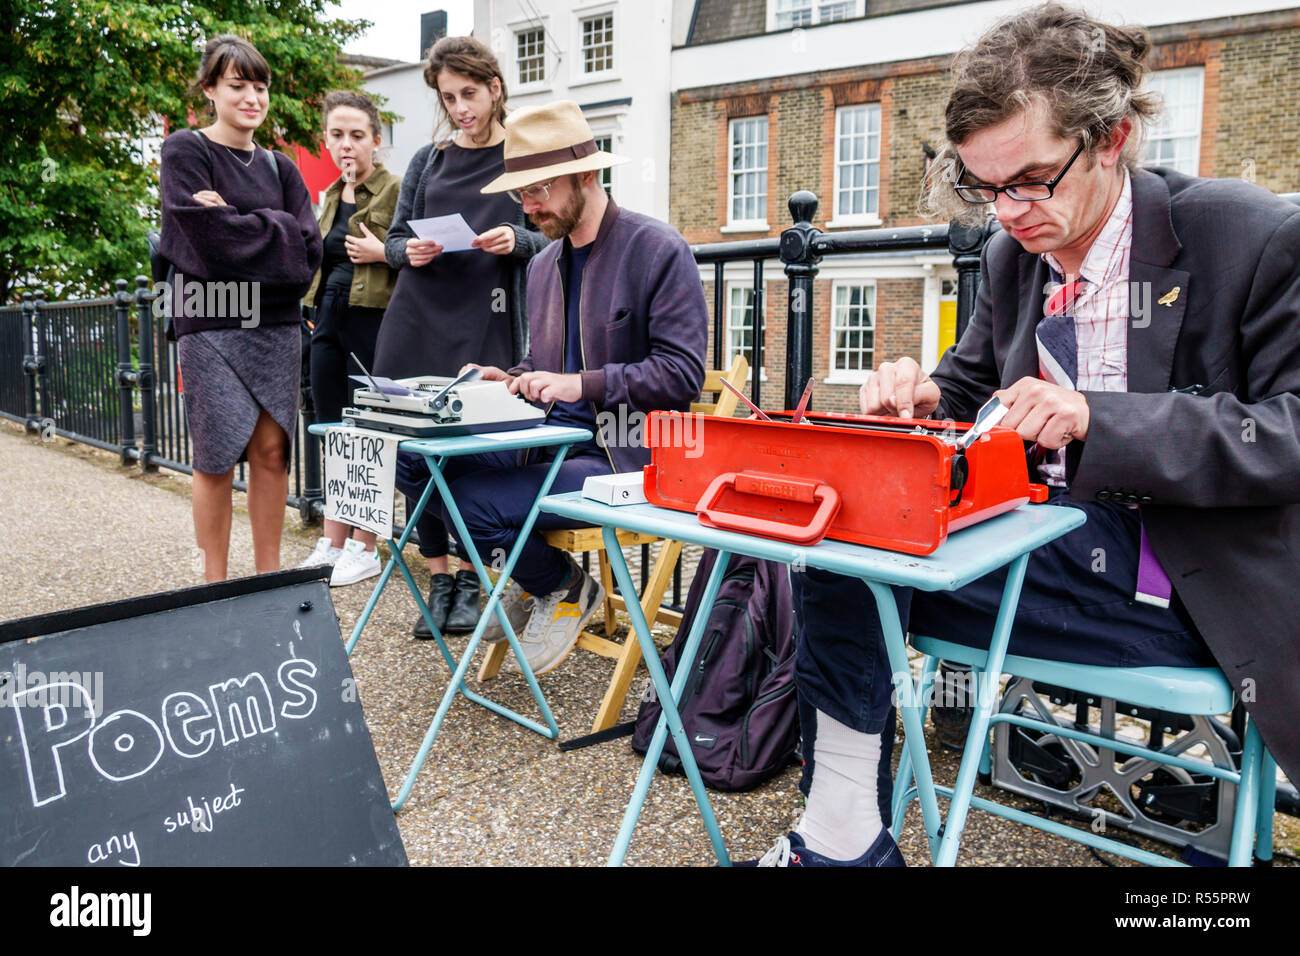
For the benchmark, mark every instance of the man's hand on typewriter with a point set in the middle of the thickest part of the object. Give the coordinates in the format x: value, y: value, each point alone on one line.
x: 900, y: 389
x: 499, y: 241
x: 1045, y: 413
x: 548, y: 386
x: 489, y: 373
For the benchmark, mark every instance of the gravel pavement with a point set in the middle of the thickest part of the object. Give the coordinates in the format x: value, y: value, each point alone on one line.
x: 82, y: 530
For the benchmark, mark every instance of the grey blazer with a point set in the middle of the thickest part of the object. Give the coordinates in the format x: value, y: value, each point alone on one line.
x: 410, y: 205
x: 1207, y: 438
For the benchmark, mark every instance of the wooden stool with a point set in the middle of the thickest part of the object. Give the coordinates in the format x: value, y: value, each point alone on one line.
x: 628, y: 654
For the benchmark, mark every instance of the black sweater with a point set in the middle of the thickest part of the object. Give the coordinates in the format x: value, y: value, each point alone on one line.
x: 266, y: 234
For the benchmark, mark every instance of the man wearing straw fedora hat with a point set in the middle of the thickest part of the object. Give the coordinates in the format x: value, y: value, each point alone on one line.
x: 618, y: 328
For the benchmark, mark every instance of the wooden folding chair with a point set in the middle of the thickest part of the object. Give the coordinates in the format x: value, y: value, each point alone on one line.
x: 628, y: 654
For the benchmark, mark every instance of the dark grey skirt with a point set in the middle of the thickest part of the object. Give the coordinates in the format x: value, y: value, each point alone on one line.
x: 229, y: 375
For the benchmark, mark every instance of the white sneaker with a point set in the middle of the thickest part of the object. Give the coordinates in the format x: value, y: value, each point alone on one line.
x: 518, y: 604
x: 325, y: 553
x: 557, y: 621
x: 356, y: 564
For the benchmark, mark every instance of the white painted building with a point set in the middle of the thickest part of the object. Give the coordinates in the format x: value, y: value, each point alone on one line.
x: 612, y: 58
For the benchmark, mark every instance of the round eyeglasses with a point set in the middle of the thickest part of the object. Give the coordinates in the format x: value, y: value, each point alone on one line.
x: 1021, y: 192
x: 538, y: 193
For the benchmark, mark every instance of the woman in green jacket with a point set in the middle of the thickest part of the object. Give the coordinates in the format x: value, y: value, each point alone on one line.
x: 350, y: 293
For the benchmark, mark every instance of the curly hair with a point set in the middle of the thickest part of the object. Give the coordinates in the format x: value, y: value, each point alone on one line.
x: 1087, y: 75
x: 469, y: 57
x: 358, y: 101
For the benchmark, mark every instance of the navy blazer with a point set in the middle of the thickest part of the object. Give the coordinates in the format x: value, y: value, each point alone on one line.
x: 1207, y: 438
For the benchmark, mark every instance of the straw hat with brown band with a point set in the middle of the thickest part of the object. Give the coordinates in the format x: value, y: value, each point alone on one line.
x: 543, y: 142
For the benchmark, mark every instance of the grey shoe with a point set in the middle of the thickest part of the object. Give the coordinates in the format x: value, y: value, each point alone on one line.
x: 518, y: 604
x: 557, y: 621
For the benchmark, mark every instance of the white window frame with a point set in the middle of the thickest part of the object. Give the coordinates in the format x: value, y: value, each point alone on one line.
x: 605, y: 176
x: 842, y: 218
x: 838, y: 376
x: 746, y: 225
x: 577, y: 75
x: 742, y: 286
x: 1199, y: 111
x: 536, y: 86
x: 815, y: 8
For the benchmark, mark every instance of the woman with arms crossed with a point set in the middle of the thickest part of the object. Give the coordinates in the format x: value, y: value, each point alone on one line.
x: 237, y: 219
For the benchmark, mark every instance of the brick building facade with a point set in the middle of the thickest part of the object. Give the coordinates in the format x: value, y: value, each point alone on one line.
x: 858, y: 135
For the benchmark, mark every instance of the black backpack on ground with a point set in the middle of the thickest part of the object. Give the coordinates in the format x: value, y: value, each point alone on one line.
x: 738, y: 706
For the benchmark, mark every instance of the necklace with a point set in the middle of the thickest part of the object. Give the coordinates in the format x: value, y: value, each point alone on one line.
x: 237, y: 159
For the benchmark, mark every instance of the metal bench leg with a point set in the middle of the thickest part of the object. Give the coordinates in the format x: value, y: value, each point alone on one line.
x: 1267, y: 798
x: 1248, y: 794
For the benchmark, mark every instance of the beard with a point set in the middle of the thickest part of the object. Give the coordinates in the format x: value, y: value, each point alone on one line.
x: 560, y: 224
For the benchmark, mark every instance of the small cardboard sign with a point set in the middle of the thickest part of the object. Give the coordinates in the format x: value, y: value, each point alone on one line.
x: 360, y: 471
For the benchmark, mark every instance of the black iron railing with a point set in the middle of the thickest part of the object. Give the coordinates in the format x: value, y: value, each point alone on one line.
x: 102, y: 372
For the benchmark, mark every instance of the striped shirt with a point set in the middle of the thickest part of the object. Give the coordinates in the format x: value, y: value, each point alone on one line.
x: 1101, y: 311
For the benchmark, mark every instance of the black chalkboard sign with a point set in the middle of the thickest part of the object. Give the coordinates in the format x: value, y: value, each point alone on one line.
x: 218, y: 725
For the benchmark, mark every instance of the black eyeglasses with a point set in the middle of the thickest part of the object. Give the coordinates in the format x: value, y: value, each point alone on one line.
x: 1021, y: 192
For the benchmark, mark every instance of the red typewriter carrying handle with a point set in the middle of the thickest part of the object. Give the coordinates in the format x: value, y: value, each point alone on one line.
x: 770, y: 486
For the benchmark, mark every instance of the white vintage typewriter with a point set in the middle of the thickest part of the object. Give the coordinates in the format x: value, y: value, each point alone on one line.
x: 431, y: 406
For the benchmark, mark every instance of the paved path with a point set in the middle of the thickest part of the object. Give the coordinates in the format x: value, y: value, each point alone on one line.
x: 78, y: 530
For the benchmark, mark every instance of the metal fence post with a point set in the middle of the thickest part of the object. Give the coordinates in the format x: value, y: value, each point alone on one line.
x: 312, y: 504
x: 31, y: 362
x: 966, y: 243
x: 125, y: 370
x: 41, y: 368
x: 145, y: 376
x: 801, y: 266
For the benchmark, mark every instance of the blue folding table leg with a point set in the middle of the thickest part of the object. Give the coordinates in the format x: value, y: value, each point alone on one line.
x: 910, y: 709
x: 395, y: 560
x: 903, y: 787
x: 457, y: 684
x: 669, y: 719
x: 982, y: 713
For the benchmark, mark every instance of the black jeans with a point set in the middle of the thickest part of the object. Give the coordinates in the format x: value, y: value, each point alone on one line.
x: 1076, y: 605
x: 340, y: 330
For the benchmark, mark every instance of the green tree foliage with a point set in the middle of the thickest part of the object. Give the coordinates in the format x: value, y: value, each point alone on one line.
x: 83, y: 83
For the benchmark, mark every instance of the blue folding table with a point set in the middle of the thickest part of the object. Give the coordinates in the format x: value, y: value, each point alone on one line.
x: 436, y: 451
x: 967, y: 555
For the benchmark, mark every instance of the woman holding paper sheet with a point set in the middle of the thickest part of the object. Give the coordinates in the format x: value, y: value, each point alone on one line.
x: 453, y: 308
x: 349, y: 294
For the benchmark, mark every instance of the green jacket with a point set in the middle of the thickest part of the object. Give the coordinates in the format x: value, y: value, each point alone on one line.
x: 372, y: 282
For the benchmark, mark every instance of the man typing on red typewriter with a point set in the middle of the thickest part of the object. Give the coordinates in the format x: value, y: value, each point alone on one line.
x: 1144, y: 329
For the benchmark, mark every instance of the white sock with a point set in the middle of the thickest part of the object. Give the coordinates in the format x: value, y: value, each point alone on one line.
x: 842, y: 818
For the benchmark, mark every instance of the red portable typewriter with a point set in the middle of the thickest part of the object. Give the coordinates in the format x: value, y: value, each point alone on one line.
x: 893, y: 483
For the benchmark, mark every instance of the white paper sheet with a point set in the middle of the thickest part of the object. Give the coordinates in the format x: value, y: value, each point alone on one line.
x: 451, y: 232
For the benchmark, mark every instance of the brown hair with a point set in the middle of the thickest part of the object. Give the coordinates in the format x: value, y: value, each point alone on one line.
x: 356, y: 100
x: 467, y: 56
x: 228, y: 50
x: 1085, y: 73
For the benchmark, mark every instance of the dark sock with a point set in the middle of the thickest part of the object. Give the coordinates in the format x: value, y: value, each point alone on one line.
x: 573, y: 584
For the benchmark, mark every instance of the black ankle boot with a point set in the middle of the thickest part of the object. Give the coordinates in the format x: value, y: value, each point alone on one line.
x: 440, y: 588
x: 463, y: 615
